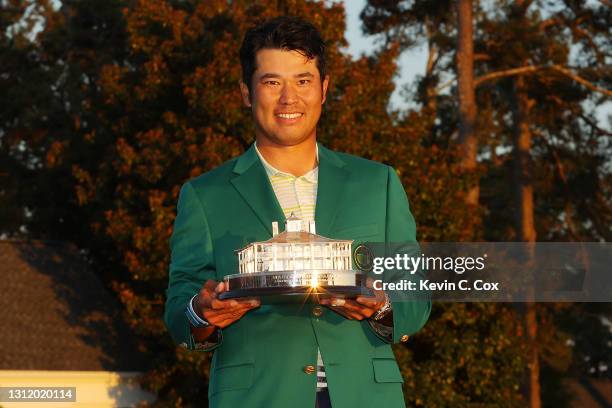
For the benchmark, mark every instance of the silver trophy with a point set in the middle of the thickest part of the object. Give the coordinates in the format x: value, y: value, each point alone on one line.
x: 295, y: 263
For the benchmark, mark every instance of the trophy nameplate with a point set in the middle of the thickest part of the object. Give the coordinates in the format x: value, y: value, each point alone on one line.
x: 295, y: 265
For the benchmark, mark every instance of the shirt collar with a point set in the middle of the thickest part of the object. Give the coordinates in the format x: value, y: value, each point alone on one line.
x: 312, y: 176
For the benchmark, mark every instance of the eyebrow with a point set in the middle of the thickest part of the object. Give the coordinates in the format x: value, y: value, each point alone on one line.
x: 273, y: 75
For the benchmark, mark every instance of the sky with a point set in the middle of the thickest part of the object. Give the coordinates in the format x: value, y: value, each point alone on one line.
x: 413, y: 62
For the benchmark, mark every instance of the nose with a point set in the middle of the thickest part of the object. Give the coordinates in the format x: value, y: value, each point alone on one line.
x: 288, y: 95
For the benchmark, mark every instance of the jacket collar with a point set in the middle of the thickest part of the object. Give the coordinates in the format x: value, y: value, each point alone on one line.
x: 271, y: 171
x: 254, y: 186
x: 333, y: 177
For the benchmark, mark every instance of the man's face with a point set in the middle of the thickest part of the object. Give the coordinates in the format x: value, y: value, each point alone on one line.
x: 286, y: 97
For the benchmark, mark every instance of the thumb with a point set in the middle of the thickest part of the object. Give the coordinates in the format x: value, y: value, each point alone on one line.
x: 220, y: 287
x: 210, y: 285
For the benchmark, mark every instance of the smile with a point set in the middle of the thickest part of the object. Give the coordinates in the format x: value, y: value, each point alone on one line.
x: 289, y: 115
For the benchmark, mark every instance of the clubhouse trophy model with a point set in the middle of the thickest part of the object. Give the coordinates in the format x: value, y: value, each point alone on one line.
x: 296, y: 263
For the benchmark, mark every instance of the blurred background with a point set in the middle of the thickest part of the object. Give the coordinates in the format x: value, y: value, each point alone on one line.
x: 496, y: 114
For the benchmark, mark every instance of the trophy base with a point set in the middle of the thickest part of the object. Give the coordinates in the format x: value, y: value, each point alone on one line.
x: 298, y: 294
x: 296, y: 286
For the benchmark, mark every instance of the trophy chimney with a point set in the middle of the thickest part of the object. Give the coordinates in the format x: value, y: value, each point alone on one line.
x: 311, y: 227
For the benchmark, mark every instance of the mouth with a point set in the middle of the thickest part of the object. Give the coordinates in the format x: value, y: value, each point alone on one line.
x: 291, y: 116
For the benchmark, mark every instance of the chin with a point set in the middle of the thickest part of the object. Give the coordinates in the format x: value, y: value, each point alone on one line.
x: 288, y: 139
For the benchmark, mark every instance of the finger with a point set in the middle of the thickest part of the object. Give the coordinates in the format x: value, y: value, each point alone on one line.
x: 355, y: 307
x: 340, y: 302
x: 256, y: 302
x: 367, y: 301
x: 248, y: 302
x: 224, y: 307
x: 351, y: 314
x: 346, y: 303
x: 223, y: 304
x: 215, y: 316
x: 225, y: 319
x: 220, y: 287
x: 217, y: 304
x: 228, y: 305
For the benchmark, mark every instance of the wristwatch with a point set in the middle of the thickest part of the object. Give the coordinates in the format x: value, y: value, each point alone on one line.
x: 195, y: 320
x: 383, y: 311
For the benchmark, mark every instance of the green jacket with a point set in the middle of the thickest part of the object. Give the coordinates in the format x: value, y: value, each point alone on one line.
x: 261, y: 358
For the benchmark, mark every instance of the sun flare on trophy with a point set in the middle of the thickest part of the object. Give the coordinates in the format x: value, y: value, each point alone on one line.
x: 314, y: 280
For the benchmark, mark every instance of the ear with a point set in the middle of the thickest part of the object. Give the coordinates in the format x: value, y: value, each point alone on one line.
x: 246, y: 96
x: 325, y: 85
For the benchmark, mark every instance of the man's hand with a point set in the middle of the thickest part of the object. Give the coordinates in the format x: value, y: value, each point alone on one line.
x: 221, y: 313
x: 361, y: 308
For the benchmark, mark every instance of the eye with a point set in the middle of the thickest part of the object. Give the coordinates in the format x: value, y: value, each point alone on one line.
x: 271, y: 82
x: 304, y: 81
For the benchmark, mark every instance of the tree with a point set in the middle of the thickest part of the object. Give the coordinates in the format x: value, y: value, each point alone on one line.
x: 466, y: 97
x: 539, y: 46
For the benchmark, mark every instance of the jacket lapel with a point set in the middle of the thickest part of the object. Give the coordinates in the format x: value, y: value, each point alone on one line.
x: 333, y: 177
x: 254, y: 186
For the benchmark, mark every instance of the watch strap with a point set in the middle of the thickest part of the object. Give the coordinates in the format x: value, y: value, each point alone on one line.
x: 195, y: 320
x: 383, y: 311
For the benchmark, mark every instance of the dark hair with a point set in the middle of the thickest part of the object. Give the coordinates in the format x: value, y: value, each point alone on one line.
x: 285, y: 33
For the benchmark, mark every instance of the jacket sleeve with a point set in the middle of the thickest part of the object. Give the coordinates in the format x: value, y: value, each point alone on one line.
x: 409, y: 313
x: 191, y: 264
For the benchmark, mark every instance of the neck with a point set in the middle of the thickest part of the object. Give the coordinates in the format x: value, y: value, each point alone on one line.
x: 297, y: 160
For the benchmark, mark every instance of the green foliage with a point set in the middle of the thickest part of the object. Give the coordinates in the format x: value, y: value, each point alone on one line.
x: 467, y: 355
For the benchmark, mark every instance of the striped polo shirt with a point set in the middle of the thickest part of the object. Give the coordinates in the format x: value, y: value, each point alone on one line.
x: 297, y: 195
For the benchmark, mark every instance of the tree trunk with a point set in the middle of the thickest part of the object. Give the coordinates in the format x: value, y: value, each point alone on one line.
x: 431, y: 83
x: 525, y: 225
x: 467, y: 103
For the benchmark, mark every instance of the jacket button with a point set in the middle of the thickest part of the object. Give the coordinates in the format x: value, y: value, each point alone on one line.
x: 404, y: 338
x: 317, y: 311
x: 309, y: 369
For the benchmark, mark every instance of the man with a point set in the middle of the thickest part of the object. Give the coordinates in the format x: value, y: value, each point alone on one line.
x: 308, y: 355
